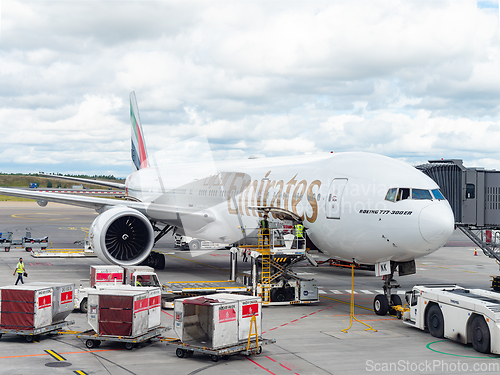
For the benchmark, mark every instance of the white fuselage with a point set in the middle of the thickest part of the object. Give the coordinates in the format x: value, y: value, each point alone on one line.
x: 341, y: 197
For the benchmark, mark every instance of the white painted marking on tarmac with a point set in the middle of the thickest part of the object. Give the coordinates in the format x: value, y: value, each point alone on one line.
x: 321, y: 291
x: 421, y: 269
x: 401, y: 292
x: 336, y: 291
x: 379, y: 291
x: 349, y: 291
x: 366, y: 292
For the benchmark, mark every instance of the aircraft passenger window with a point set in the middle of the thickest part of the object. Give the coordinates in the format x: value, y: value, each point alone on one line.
x: 319, y: 196
x: 420, y: 194
x: 391, y: 194
x: 470, y: 191
x: 403, y: 193
x: 438, y: 195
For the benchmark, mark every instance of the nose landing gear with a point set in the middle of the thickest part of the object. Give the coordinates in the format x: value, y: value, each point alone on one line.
x: 383, y: 303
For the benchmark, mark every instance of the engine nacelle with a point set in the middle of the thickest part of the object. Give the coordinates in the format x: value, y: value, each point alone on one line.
x: 122, y: 236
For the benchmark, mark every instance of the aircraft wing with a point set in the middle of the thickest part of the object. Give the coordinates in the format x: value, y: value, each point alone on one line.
x: 71, y: 199
x: 115, y: 185
x: 160, y: 212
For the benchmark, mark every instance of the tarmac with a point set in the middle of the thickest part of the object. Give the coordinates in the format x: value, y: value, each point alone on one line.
x: 309, y: 338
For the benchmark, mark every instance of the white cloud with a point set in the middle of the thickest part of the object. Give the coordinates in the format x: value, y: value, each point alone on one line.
x: 408, y: 79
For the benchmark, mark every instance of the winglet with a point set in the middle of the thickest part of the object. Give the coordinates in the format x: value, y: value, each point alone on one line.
x: 139, y: 153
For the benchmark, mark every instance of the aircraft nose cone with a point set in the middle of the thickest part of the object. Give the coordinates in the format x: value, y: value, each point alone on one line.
x: 436, y: 223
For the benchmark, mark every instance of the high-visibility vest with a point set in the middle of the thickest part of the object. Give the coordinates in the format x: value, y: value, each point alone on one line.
x: 20, y: 267
x: 264, y: 224
x: 299, y: 230
x: 138, y: 283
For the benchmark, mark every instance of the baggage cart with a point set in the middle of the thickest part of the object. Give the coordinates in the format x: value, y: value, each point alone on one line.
x: 31, y: 334
x: 184, y: 349
x: 93, y: 340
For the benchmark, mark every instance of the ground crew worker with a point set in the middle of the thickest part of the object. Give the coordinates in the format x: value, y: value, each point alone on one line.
x: 245, y: 255
x: 20, y: 271
x: 299, y: 233
x: 264, y: 225
x: 138, y: 282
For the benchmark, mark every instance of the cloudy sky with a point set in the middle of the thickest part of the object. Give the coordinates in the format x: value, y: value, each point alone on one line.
x: 414, y: 80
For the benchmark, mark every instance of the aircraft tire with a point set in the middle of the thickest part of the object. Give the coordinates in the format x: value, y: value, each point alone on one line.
x: 161, y: 261
x: 380, y: 305
x: 480, y: 335
x: 435, y: 321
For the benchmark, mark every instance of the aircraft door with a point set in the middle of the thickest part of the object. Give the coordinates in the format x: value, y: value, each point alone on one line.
x: 334, y: 198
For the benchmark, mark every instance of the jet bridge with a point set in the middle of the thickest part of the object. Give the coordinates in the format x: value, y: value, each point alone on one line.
x: 474, y: 196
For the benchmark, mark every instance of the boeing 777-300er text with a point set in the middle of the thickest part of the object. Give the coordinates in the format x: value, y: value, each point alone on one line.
x: 360, y: 207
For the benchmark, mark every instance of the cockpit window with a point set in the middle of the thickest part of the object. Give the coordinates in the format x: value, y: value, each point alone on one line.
x: 399, y: 194
x: 403, y: 193
x: 438, y: 195
x: 420, y: 194
x: 391, y: 194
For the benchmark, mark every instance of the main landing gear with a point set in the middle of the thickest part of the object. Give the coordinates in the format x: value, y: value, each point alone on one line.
x: 383, y: 303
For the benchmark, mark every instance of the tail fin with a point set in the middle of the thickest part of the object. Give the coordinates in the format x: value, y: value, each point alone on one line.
x: 139, y: 154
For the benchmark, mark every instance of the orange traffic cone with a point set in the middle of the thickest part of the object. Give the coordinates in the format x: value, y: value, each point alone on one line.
x: 475, y: 252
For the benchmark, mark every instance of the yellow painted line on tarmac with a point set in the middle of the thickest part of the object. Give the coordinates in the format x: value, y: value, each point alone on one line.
x: 54, y: 355
x: 42, y: 354
x: 80, y: 372
x: 24, y: 217
x: 198, y: 281
x: 347, y: 303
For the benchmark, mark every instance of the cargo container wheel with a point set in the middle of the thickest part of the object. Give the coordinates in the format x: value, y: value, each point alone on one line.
x: 180, y: 352
x: 214, y: 358
x: 29, y: 338
x: 91, y: 344
x: 83, y: 306
x: 129, y: 345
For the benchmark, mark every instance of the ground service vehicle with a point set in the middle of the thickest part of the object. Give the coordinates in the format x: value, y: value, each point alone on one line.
x: 190, y: 243
x: 469, y: 316
x: 109, y: 276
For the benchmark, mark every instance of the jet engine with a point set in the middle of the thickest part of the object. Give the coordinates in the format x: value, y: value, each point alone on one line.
x: 122, y: 236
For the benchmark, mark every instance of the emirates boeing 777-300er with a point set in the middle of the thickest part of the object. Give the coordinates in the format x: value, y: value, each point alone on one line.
x: 359, y: 207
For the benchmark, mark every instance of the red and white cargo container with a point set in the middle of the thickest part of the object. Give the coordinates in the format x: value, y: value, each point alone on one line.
x: 62, y: 299
x: 106, y: 275
x: 118, y: 312
x: 216, y: 320
x: 154, y: 302
x: 248, y: 306
x: 25, y: 307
